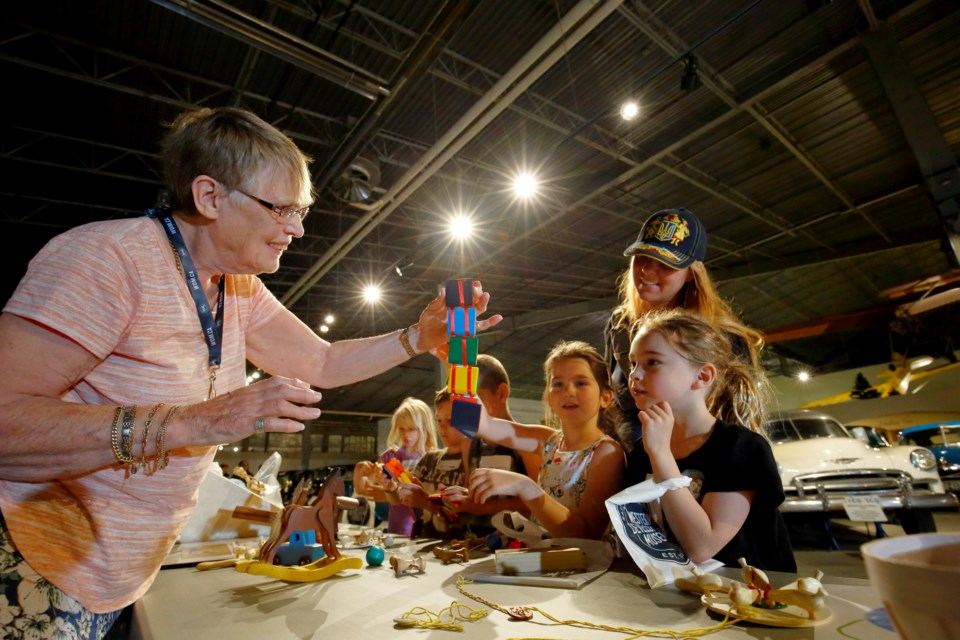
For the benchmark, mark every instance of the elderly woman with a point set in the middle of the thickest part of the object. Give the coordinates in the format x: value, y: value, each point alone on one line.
x: 124, y: 351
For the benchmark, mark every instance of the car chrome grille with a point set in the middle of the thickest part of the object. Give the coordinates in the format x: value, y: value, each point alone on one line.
x: 853, y: 482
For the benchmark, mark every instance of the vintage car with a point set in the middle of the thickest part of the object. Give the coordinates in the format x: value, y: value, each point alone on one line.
x: 824, y: 470
x: 943, y: 440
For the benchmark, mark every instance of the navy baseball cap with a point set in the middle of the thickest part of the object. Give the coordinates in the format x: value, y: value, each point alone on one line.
x: 674, y: 237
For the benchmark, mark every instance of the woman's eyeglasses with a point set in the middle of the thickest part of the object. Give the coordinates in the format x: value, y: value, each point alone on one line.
x: 281, y: 214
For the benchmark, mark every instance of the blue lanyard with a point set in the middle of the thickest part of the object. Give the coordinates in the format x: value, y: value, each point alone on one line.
x: 212, y: 327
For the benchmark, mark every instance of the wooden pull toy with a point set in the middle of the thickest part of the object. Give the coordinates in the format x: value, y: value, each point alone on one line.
x: 406, y: 565
x: 317, y: 522
x: 457, y: 550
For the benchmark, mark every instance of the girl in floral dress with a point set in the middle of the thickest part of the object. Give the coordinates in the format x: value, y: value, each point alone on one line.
x: 583, y: 464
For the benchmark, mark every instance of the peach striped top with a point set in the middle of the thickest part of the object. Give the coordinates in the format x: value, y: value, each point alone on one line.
x: 114, y: 288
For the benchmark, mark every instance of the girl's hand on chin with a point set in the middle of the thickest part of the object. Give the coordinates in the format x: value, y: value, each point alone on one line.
x: 657, y: 421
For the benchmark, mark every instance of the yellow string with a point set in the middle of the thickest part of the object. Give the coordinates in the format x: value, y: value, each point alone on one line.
x: 456, y: 611
x: 630, y: 631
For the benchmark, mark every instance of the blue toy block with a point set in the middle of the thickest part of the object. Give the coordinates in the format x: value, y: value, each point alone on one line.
x: 462, y: 321
x: 459, y: 293
x: 465, y: 415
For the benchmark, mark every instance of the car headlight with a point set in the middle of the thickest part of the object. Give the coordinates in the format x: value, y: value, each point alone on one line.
x: 923, y: 459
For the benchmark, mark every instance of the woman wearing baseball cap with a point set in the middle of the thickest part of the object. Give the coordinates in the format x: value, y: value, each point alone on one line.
x: 667, y: 271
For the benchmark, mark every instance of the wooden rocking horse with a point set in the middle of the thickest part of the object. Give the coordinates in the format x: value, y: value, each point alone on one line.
x: 320, y: 517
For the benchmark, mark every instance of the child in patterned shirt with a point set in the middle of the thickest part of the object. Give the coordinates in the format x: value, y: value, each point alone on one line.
x: 583, y: 464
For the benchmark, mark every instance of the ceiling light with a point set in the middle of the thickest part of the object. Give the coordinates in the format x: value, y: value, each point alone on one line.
x: 324, y: 328
x: 360, y: 178
x: 461, y: 227
x: 803, y: 376
x: 371, y: 293
x: 359, y: 191
x: 691, y: 73
x: 525, y: 185
x: 328, y: 319
x: 629, y: 110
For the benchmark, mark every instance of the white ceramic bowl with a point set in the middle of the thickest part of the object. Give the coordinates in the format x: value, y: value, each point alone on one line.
x: 918, y: 579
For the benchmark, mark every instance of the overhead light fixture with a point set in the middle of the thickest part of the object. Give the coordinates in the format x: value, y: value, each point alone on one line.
x: 460, y: 226
x: 629, y: 110
x: 525, y: 185
x: 371, y: 293
x: 691, y: 73
x: 359, y: 180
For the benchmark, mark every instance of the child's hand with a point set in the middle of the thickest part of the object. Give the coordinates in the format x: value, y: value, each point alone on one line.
x: 454, y: 494
x: 412, y: 495
x: 657, y: 421
x: 366, y: 477
x: 490, y: 483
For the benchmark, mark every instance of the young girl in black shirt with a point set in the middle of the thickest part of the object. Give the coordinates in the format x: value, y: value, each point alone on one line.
x: 700, y: 408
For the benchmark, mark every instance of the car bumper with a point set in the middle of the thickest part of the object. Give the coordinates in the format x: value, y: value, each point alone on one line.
x: 952, y: 483
x: 887, y: 503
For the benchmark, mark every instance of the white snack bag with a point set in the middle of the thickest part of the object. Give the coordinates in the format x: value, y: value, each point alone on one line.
x: 661, y: 561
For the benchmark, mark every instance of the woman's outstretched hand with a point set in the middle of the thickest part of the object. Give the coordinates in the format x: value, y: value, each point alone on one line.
x: 432, y: 333
x: 277, y: 404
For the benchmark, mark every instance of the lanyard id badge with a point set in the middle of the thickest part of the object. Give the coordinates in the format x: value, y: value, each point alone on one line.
x: 211, y: 327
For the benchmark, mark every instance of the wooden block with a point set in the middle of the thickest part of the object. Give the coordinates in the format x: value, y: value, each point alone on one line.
x: 462, y: 321
x: 462, y: 380
x: 463, y: 350
x: 513, y: 561
x: 459, y: 293
x: 465, y: 415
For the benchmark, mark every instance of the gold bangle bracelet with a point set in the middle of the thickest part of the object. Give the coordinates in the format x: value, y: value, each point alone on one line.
x: 405, y: 341
x: 115, y: 438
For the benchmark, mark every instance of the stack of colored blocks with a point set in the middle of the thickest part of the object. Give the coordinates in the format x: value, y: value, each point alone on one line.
x: 462, y: 376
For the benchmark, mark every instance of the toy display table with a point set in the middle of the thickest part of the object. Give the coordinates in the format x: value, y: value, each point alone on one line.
x: 361, y: 604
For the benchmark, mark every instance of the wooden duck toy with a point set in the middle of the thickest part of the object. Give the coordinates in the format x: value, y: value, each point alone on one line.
x: 808, y: 595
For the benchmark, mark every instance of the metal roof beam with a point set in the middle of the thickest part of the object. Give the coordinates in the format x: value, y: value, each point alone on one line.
x: 264, y: 36
x: 935, y: 159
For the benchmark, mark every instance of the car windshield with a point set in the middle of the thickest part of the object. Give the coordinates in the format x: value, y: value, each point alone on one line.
x: 942, y: 436
x: 869, y: 435
x: 804, y: 429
